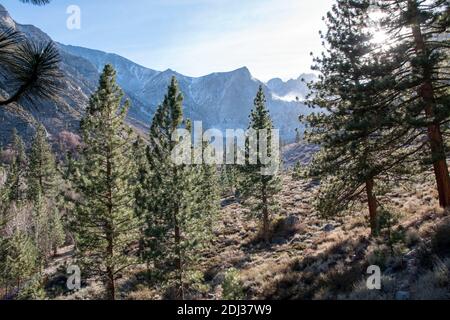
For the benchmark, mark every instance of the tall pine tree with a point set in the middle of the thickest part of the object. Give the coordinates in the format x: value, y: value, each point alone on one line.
x: 258, y: 187
x: 107, y: 228
x: 361, y: 143
x: 175, y: 221
x: 42, y: 173
x: 419, y: 44
x: 15, y: 185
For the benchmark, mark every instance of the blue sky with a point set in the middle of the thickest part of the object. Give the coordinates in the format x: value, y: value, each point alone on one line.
x: 273, y: 38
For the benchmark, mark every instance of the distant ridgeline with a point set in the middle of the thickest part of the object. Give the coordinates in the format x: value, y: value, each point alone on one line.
x: 219, y: 100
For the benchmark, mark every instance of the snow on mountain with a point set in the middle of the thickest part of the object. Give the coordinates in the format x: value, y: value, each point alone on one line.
x: 291, y: 90
x: 220, y: 100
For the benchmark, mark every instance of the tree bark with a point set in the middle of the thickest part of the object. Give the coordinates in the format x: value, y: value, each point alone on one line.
x: 426, y: 92
x: 372, y: 203
x: 265, y: 214
x: 179, y: 263
x: 111, y: 286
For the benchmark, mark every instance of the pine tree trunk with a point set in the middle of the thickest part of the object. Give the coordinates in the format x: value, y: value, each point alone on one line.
x: 426, y: 92
x: 111, y: 286
x: 177, y: 231
x: 179, y: 264
x: 372, y: 203
x: 265, y: 214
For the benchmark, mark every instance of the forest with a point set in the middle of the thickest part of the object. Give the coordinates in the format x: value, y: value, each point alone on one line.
x: 104, y: 212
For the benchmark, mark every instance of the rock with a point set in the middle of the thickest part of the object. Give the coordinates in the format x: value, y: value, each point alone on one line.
x: 291, y: 221
x: 328, y: 228
x: 402, y: 295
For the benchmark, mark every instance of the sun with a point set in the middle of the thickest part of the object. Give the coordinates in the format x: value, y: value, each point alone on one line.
x: 380, y: 38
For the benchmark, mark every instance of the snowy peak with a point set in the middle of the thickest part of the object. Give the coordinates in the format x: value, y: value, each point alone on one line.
x: 292, y: 89
x: 220, y: 100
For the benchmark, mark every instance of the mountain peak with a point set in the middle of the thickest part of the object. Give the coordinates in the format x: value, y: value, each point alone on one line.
x: 243, y: 70
x: 5, y: 18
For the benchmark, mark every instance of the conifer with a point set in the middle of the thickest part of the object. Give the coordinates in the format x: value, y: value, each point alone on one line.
x: 258, y: 187
x: 42, y: 173
x: 107, y: 228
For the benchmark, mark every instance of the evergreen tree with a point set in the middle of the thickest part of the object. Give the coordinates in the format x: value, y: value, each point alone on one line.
x: 43, y: 180
x: 175, y: 229
x: 18, y: 260
x: 142, y: 192
x: 42, y: 173
x: 48, y: 230
x: 207, y: 198
x: 33, y: 289
x: 359, y: 138
x: 106, y: 225
x: 420, y: 79
x: 15, y: 183
x: 257, y: 186
x: 229, y: 179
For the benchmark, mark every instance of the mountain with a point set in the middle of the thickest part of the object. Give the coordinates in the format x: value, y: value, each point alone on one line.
x: 292, y: 89
x: 220, y: 100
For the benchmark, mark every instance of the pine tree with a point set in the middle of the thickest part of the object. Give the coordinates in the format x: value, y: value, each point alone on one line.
x: 207, y: 198
x: 15, y: 184
x: 42, y: 173
x: 257, y: 186
x: 360, y: 141
x: 18, y: 262
x: 33, y: 289
x: 141, y: 193
x: 175, y: 229
x: 229, y: 180
x: 48, y: 230
x: 43, y: 179
x: 420, y: 29
x: 106, y: 224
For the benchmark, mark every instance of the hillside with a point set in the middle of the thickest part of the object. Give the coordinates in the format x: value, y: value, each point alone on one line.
x: 311, y: 257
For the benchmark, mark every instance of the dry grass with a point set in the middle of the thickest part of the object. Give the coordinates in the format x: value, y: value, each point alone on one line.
x: 315, y: 258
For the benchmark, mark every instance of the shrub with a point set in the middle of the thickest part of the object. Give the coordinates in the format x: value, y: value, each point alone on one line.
x: 232, y: 287
x: 434, y: 284
x: 440, y: 243
x: 412, y: 238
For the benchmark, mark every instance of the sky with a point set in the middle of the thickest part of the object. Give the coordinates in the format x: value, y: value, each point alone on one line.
x: 273, y: 38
